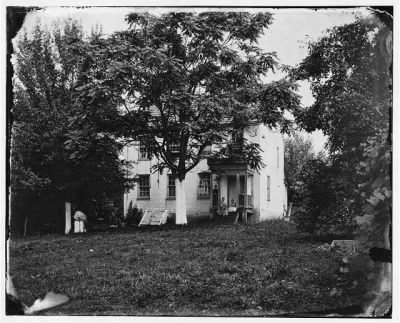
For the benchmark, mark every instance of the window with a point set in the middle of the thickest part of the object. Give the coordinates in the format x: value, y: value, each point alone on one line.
x: 277, y: 157
x: 268, y: 188
x: 144, y: 153
x: 237, y: 141
x: 207, y: 151
x: 204, y: 186
x: 238, y: 136
x: 171, y: 189
x: 174, y: 146
x: 144, y: 187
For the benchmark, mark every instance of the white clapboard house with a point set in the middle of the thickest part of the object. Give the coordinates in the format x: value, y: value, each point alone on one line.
x: 252, y: 195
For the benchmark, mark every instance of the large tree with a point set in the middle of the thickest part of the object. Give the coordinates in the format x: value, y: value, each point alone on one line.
x: 298, y: 151
x: 350, y: 74
x: 187, y: 81
x: 60, y: 150
x: 348, y: 82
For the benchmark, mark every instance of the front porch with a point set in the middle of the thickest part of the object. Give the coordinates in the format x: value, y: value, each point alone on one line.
x: 233, y: 188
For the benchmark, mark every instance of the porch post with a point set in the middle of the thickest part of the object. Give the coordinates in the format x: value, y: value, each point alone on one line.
x: 219, y: 190
x: 211, y: 196
x: 67, y: 217
x: 238, y: 191
x: 238, y: 188
x: 246, y: 201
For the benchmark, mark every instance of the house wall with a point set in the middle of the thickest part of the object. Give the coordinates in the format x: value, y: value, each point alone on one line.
x: 268, y: 139
x: 273, y: 158
x: 159, y: 184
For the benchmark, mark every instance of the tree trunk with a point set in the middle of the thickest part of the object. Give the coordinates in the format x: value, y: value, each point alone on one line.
x: 290, y: 210
x: 382, y: 289
x: 383, y: 301
x: 180, y: 217
x: 26, y: 225
x: 67, y: 217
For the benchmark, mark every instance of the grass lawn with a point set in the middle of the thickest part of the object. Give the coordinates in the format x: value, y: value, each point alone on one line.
x: 202, y: 270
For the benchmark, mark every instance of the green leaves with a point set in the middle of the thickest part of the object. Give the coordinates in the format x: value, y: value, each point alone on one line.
x: 351, y: 105
x: 351, y: 82
x: 276, y: 98
x: 200, y: 73
x: 346, y: 79
x: 62, y: 138
x: 298, y: 151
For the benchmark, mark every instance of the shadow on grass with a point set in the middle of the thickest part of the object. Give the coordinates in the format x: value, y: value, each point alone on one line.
x: 320, y: 237
x: 197, y: 269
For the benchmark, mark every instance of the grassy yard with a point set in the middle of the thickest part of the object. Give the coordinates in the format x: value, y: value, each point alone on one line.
x: 201, y: 270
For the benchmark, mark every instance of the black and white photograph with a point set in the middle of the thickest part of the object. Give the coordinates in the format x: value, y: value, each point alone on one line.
x: 199, y: 160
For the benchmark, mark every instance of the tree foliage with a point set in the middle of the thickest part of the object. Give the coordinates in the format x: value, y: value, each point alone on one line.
x: 350, y: 73
x: 321, y: 200
x: 191, y: 79
x: 58, y: 147
x: 318, y: 189
x: 349, y: 83
x: 298, y: 151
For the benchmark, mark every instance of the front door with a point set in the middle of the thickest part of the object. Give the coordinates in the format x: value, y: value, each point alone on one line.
x: 232, y: 191
x: 215, y: 198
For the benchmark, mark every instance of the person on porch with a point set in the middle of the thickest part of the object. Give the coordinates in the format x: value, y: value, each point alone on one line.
x: 232, y: 208
x: 223, y: 208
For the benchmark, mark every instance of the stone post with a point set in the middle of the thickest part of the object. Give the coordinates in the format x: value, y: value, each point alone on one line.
x: 67, y: 217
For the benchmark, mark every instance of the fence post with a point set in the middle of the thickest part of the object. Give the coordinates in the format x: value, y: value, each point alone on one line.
x: 67, y: 217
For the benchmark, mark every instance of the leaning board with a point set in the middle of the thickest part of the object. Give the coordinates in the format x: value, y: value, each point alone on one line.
x: 154, y: 217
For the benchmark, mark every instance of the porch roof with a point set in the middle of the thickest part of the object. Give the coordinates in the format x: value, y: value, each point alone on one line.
x: 228, y: 165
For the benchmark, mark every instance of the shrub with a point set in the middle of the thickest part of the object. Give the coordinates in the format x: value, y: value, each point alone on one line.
x: 133, y: 215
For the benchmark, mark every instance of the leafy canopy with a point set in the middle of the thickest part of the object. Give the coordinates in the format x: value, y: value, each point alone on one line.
x: 348, y: 83
x: 57, y: 144
x: 351, y: 69
x: 298, y: 151
x: 191, y: 79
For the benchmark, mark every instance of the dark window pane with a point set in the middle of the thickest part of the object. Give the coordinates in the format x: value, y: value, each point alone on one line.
x: 204, y: 186
x: 144, y: 186
x: 171, y: 186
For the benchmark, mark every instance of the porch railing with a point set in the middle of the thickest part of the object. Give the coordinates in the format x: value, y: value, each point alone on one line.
x: 249, y: 201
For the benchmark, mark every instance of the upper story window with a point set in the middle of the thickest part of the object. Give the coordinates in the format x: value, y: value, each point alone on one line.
x: 171, y: 188
x: 207, y: 151
x: 204, y: 186
x: 237, y: 136
x: 144, y: 187
x: 237, y: 140
x: 174, y: 146
x: 144, y: 151
x: 277, y: 157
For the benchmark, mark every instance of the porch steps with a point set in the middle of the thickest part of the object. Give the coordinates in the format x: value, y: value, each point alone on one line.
x: 225, y: 220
